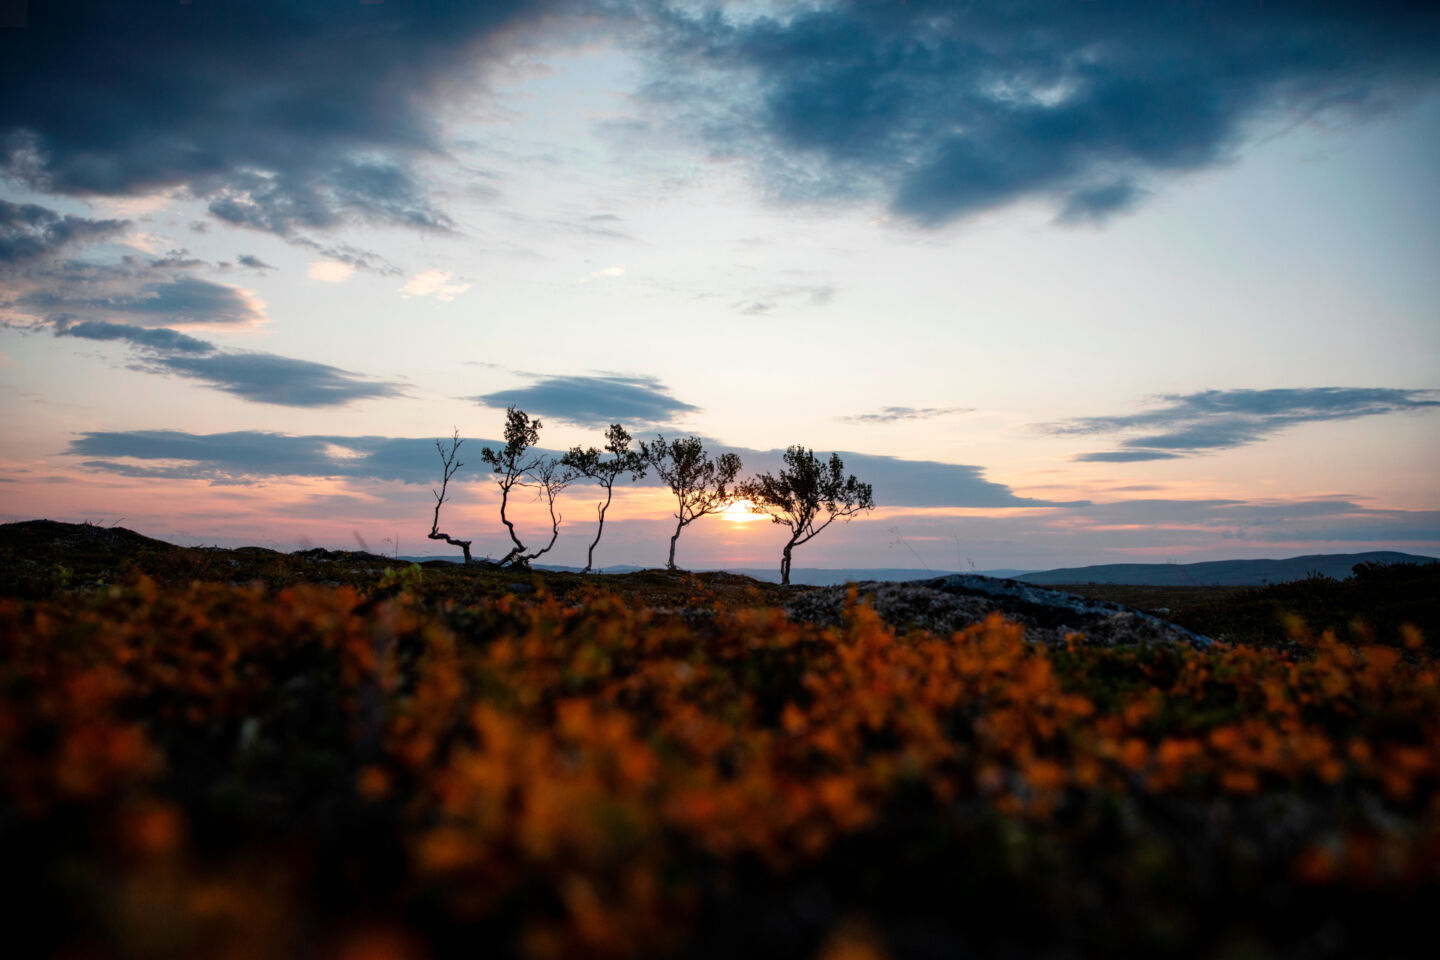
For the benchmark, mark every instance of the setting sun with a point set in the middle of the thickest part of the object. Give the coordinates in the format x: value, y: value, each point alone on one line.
x: 741, y: 511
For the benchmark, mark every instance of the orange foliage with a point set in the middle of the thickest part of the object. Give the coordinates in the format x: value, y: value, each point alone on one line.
x: 585, y: 748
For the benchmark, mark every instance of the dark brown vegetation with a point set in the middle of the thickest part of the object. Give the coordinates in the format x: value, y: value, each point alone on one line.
x: 1370, y: 606
x: 328, y: 754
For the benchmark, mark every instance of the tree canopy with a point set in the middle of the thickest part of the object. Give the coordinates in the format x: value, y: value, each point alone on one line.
x: 701, y: 485
x: 510, y: 465
x: 605, y: 470
x: 806, y: 496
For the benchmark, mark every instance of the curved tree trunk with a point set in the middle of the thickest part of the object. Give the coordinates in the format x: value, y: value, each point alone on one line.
x: 600, y: 509
x: 519, y: 548
x: 435, y: 533
x: 554, y: 535
x: 462, y: 544
x: 670, y: 564
x: 785, y: 564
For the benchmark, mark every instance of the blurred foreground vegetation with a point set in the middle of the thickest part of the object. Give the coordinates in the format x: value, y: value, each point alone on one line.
x: 397, y: 761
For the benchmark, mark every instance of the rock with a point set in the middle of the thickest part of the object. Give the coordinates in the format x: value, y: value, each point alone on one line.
x: 948, y: 604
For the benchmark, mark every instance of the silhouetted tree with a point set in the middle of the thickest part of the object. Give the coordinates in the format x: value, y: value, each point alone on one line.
x: 701, y: 485
x: 806, y: 496
x: 552, y: 476
x: 450, y: 464
x: 605, y: 471
x: 509, y: 465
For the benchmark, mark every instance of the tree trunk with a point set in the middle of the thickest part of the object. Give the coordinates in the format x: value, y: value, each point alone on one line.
x: 462, y: 544
x: 785, y: 564
x: 600, y: 508
x: 554, y: 535
x: 519, y: 548
x: 670, y: 564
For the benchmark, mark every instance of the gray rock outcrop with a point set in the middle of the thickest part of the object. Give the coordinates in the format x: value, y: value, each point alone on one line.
x: 950, y: 603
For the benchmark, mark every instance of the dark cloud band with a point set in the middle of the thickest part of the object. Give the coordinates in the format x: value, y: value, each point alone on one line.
x: 593, y: 401
x: 249, y: 455
x: 69, y: 293
x: 942, y: 109
x: 257, y: 377
x: 282, y: 113
x: 1192, y: 423
x: 29, y: 232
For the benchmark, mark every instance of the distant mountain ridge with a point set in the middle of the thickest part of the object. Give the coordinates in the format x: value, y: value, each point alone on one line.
x: 1226, y: 573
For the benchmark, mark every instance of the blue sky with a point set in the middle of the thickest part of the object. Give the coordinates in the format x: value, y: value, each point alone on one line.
x: 1068, y: 283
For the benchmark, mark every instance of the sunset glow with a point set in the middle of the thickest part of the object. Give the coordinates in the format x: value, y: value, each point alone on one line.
x: 742, y: 512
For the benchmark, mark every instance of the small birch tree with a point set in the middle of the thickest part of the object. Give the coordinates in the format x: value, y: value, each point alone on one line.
x: 450, y: 463
x: 509, y: 466
x: 701, y: 485
x: 552, y: 476
x: 605, y: 471
x: 807, y: 496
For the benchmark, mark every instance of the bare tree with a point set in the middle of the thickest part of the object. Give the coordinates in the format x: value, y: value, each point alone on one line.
x: 605, y: 471
x: 509, y: 465
x: 701, y: 485
x: 552, y: 476
x: 450, y: 464
x: 806, y: 496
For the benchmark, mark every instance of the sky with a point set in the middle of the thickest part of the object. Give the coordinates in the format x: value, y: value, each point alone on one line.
x: 1066, y: 282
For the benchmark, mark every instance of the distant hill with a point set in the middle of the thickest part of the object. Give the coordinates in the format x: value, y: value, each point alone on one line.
x: 1230, y: 573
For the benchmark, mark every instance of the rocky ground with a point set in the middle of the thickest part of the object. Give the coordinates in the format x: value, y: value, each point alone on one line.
x: 948, y: 604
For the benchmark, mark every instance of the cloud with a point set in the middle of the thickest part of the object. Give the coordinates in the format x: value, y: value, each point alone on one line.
x: 941, y: 110
x: 179, y: 259
x: 433, y: 282
x: 30, y: 232
x: 257, y: 377
x: 766, y: 301
x: 328, y: 271
x: 282, y: 114
x: 79, y: 291
x: 1098, y: 203
x: 89, y: 300
x: 1186, y: 424
x: 1335, y: 519
x: 252, y: 262
x: 284, y: 381
x: 249, y: 455
x: 593, y: 401
x: 291, y: 116
x: 344, y: 253
x: 913, y: 483
x: 1124, y: 456
x: 164, y: 340
x: 896, y: 414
